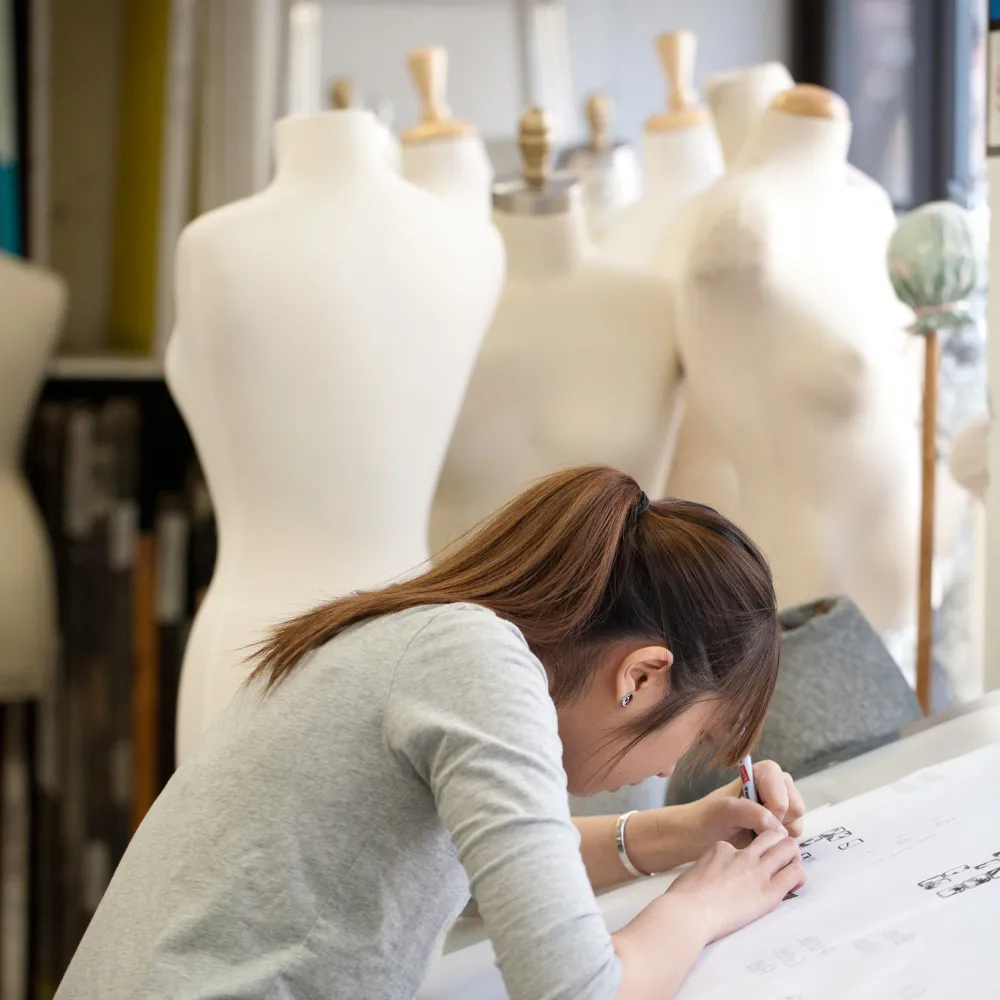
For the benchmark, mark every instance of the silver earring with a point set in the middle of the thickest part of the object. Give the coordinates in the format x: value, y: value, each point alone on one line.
x: 626, y: 700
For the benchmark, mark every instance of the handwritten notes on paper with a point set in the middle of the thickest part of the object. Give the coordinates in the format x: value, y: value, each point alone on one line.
x: 902, y: 900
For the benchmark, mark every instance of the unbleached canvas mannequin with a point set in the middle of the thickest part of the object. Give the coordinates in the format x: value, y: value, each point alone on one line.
x: 607, y: 168
x: 681, y: 156
x: 34, y: 302
x: 786, y: 321
x: 579, y: 365
x: 326, y: 330
x: 441, y: 154
x: 701, y: 470
x: 739, y: 97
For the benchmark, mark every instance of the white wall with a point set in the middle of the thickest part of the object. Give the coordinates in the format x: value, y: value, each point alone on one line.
x: 611, y: 42
x: 611, y: 48
x: 369, y: 42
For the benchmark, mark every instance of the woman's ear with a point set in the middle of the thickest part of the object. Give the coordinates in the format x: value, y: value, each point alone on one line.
x: 642, y: 677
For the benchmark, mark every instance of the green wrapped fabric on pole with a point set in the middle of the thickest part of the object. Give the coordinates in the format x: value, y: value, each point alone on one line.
x: 936, y: 267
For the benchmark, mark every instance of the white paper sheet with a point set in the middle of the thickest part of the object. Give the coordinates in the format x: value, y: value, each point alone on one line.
x: 903, y: 903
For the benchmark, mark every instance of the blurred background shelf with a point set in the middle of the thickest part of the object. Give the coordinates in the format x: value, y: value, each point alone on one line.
x: 106, y: 367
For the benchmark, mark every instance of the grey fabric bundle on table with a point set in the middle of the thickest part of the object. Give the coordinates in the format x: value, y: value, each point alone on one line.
x: 839, y: 693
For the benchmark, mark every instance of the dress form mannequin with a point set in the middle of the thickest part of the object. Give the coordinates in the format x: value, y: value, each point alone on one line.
x: 785, y: 319
x: 442, y: 154
x: 578, y: 367
x: 341, y: 97
x: 700, y: 469
x: 34, y: 302
x: 681, y: 157
x: 607, y: 169
x: 738, y: 99
x: 326, y: 330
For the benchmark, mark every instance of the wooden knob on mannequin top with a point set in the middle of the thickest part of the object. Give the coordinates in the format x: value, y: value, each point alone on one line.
x: 341, y: 93
x: 600, y: 111
x: 429, y: 69
x: 677, y: 51
x: 535, y: 142
x: 810, y: 101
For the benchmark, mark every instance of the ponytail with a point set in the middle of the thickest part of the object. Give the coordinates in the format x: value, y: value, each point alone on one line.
x: 542, y: 562
x: 581, y: 559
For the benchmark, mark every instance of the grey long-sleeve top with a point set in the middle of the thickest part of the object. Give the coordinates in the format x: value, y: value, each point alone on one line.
x: 323, y: 837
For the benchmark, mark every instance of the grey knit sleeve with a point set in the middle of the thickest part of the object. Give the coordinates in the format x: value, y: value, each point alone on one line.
x: 470, y: 712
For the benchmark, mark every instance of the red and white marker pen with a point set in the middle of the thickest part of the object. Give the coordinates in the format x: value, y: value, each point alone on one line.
x: 746, y: 776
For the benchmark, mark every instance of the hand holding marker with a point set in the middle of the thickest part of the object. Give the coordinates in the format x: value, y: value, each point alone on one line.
x: 750, y: 792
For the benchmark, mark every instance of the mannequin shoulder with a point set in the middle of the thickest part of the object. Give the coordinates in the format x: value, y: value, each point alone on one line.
x: 386, y: 221
x: 216, y: 229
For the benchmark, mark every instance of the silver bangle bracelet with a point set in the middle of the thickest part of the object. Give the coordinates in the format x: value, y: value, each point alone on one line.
x: 620, y: 845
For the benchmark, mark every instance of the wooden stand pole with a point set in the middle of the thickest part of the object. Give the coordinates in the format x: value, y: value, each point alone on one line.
x: 925, y: 622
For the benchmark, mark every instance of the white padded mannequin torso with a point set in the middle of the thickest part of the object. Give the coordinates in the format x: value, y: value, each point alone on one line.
x: 34, y: 302
x: 326, y: 330
x: 578, y: 367
x: 786, y: 322
x: 701, y: 470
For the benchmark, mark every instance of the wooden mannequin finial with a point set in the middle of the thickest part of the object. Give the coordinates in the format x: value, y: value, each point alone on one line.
x: 600, y: 111
x: 811, y: 101
x: 536, y: 147
x: 429, y: 68
x: 341, y: 93
x: 677, y: 50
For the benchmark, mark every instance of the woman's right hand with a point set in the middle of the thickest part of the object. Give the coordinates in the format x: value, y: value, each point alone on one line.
x: 725, y: 889
x: 728, y: 888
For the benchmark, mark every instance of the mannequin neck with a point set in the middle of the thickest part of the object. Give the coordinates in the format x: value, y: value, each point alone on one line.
x: 451, y: 153
x: 680, y: 159
x: 456, y: 168
x: 543, y: 246
x: 814, y: 145
x: 318, y: 149
x: 738, y: 99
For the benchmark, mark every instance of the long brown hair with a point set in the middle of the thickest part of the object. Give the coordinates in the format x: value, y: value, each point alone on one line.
x: 576, y: 562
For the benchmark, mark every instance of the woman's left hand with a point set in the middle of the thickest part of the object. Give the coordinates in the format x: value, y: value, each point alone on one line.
x: 660, y: 839
x: 726, y: 815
